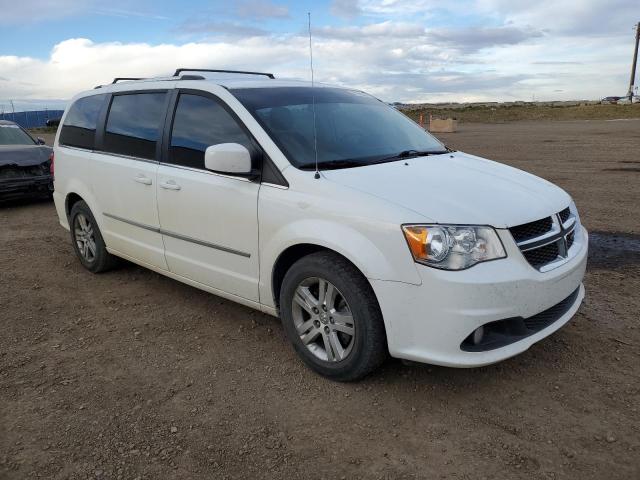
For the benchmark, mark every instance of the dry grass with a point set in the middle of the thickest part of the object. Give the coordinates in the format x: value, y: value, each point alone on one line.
x: 500, y: 114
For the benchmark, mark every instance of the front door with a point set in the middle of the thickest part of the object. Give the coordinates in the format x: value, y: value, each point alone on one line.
x: 209, y: 221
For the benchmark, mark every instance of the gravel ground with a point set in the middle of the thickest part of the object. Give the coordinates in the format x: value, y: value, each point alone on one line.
x: 131, y: 375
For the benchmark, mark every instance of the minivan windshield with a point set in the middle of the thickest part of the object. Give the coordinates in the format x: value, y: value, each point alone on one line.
x: 352, y: 128
x: 13, y: 135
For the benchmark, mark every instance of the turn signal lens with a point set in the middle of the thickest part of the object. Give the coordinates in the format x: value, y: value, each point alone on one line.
x: 417, y: 239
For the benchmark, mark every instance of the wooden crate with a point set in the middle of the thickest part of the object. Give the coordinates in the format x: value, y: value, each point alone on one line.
x: 439, y: 125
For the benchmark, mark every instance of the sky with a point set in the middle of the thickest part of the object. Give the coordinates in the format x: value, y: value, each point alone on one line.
x: 397, y: 50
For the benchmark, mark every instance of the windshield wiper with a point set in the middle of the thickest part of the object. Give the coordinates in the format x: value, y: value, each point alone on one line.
x: 334, y: 164
x: 414, y: 153
x: 410, y: 154
x: 350, y: 163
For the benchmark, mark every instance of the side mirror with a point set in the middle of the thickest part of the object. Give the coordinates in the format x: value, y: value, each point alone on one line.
x: 40, y: 141
x: 231, y: 158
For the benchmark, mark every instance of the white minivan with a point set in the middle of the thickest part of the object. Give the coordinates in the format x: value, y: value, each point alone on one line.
x: 323, y: 206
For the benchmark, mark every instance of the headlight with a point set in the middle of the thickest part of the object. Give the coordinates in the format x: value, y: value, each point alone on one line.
x: 453, y: 247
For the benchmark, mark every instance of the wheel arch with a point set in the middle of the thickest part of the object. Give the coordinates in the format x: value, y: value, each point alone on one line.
x: 295, y: 252
x: 70, y: 200
x: 290, y: 256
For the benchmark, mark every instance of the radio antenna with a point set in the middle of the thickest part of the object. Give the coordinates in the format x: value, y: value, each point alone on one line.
x: 313, y: 102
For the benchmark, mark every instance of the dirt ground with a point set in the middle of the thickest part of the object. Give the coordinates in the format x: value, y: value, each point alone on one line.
x: 131, y: 375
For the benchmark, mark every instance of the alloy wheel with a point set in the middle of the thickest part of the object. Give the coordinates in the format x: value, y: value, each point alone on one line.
x: 323, y: 319
x: 85, y: 237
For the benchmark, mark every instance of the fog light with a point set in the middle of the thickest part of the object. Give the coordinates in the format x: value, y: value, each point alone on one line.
x: 478, y: 333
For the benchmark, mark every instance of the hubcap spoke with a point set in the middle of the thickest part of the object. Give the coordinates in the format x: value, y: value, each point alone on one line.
x: 338, y: 349
x: 304, y: 327
x: 348, y: 329
x: 342, y: 318
x: 91, y: 245
x: 305, y: 299
x: 327, y: 347
x: 83, y: 222
x: 330, y: 296
x: 310, y: 336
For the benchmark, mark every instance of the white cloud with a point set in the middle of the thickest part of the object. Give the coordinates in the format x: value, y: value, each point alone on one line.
x: 388, y: 29
x: 567, y: 17
x: 79, y: 64
x: 392, y: 66
x: 550, y: 49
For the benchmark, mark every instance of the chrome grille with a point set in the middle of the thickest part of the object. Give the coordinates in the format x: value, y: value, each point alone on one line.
x: 545, y: 243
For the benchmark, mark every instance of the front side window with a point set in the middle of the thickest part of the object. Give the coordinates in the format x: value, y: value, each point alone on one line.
x: 134, y: 124
x: 79, y: 128
x: 13, y: 135
x: 352, y: 128
x: 201, y: 122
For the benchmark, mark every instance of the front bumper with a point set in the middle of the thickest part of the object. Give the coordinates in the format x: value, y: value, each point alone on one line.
x: 11, y: 188
x: 428, y: 322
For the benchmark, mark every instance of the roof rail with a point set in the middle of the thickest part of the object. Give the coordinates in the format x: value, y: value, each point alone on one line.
x: 178, y: 71
x: 117, y: 79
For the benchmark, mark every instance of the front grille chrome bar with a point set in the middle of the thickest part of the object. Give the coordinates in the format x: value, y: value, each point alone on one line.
x: 558, y: 234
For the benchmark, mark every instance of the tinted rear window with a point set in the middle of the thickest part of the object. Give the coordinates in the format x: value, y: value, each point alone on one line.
x: 134, y: 124
x: 79, y: 128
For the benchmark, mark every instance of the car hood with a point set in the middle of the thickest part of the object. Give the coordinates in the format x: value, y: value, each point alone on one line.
x: 458, y: 188
x: 23, y: 155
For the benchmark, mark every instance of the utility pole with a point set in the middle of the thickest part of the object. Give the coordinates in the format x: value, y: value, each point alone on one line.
x: 634, y: 63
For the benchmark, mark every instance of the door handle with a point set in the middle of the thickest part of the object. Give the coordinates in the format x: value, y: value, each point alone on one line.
x: 170, y: 185
x: 143, y: 180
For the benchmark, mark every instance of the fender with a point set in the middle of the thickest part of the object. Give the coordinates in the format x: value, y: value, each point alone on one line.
x: 80, y: 189
x: 346, y: 240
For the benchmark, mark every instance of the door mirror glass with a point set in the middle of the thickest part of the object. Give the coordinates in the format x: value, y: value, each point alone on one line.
x: 40, y: 141
x: 231, y: 158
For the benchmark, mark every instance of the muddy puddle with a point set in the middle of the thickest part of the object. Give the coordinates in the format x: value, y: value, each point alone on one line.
x: 608, y: 250
x: 622, y: 169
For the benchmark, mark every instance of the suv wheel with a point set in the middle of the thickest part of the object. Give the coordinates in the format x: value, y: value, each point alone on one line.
x: 331, y: 316
x: 87, y: 240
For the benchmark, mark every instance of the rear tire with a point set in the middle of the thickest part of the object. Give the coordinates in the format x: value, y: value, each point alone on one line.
x: 87, y: 240
x: 331, y: 316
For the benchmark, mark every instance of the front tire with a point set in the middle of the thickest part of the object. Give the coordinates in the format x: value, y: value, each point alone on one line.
x: 87, y: 240
x: 332, y: 318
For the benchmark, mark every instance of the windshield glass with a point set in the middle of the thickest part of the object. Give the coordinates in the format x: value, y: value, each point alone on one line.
x: 13, y: 135
x: 353, y: 128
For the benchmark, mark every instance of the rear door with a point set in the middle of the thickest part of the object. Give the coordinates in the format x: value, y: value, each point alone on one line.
x: 208, y: 220
x: 124, y: 173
